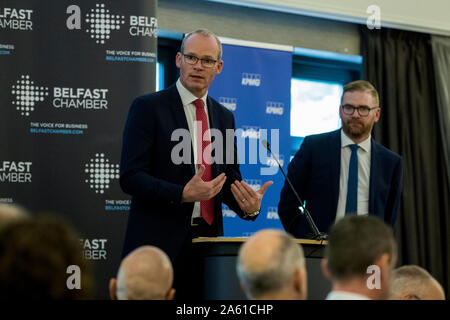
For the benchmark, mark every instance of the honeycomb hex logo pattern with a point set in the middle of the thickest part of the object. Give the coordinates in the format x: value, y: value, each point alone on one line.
x: 27, y: 95
x: 102, y: 22
x: 100, y: 173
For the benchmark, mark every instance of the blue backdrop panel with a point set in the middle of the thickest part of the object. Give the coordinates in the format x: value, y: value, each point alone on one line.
x: 255, y: 85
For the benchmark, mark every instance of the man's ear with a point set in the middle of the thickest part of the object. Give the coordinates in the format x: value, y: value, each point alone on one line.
x: 219, y: 66
x: 325, y: 269
x: 178, y: 58
x: 300, y: 282
x: 170, y: 294
x: 113, y: 288
x: 384, y: 262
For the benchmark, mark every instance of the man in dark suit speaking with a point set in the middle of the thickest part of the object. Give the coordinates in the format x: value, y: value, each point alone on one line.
x: 344, y: 171
x: 173, y: 201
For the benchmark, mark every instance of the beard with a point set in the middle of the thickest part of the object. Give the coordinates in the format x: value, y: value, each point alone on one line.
x: 356, y: 129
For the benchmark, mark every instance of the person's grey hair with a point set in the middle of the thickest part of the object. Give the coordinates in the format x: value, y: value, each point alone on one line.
x: 410, y: 279
x: 150, y: 277
x: 206, y: 33
x: 279, y: 271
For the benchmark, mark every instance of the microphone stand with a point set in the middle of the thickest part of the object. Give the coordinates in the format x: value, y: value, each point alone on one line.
x: 317, y: 234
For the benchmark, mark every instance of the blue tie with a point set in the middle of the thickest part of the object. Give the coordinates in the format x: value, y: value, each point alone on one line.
x: 351, y: 205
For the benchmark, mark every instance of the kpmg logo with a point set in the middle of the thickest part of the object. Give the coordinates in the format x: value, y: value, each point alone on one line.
x: 16, y: 171
x: 101, y: 23
x: 100, y: 173
x: 272, y: 213
x: 255, y: 184
x: 273, y: 107
x: 271, y: 162
x: 27, y: 94
x: 94, y: 249
x: 229, y: 103
x: 227, y: 212
x: 16, y: 19
x: 251, y: 79
x: 252, y: 132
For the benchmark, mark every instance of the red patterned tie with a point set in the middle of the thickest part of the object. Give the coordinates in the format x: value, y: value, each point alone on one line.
x: 207, y: 206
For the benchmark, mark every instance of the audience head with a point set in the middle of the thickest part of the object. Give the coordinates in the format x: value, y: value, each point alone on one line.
x: 415, y: 283
x: 35, y: 254
x: 360, y: 256
x: 271, y: 266
x: 11, y: 213
x: 144, y: 274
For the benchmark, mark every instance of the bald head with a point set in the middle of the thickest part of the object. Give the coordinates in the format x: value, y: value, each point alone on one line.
x: 11, y: 213
x: 272, y: 265
x: 415, y: 283
x: 145, y: 274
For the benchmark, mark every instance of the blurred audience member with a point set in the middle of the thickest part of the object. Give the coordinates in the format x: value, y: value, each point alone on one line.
x: 271, y: 266
x: 360, y: 258
x: 415, y: 283
x: 144, y: 274
x: 10, y: 213
x: 35, y: 254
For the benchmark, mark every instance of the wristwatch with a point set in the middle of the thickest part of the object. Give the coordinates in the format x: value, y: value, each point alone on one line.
x: 253, y: 214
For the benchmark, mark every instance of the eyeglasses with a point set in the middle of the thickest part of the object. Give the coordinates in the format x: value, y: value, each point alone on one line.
x: 362, y: 110
x: 207, y: 63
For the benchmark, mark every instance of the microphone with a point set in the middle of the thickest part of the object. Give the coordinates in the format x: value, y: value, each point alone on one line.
x: 317, y: 234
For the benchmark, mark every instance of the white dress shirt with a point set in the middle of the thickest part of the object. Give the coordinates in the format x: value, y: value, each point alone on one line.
x: 344, y: 295
x: 189, y: 109
x: 364, y: 152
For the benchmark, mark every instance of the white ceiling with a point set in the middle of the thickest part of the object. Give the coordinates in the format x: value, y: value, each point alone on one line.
x: 430, y: 16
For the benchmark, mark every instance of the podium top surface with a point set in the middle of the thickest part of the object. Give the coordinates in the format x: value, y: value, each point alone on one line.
x: 243, y: 239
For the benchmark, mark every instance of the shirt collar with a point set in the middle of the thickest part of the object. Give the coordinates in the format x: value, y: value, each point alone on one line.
x: 345, y: 295
x: 346, y: 141
x: 186, y: 96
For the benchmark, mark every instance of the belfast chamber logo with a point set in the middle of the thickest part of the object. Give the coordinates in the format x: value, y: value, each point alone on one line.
x: 16, y: 19
x: 94, y: 249
x: 101, y: 23
x: 16, y: 171
x: 100, y: 173
x: 27, y: 94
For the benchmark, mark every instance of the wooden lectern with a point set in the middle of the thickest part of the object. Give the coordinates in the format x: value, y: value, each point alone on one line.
x: 217, y: 257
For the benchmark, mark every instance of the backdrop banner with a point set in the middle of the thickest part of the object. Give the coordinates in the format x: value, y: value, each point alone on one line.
x: 255, y: 85
x: 69, y: 72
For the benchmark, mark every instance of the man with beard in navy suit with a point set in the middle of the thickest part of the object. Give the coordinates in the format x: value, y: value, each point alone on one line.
x: 345, y: 171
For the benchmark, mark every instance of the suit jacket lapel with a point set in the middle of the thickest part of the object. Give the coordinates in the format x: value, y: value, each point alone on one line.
x: 335, y: 153
x: 213, y: 123
x: 374, y: 169
x: 176, y: 109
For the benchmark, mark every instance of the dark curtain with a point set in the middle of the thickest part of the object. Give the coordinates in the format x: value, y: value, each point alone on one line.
x: 399, y: 64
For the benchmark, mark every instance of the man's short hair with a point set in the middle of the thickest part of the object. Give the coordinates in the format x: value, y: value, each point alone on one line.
x: 278, y: 272
x: 362, y: 85
x: 411, y: 279
x: 206, y: 33
x: 34, y: 256
x: 355, y: 243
